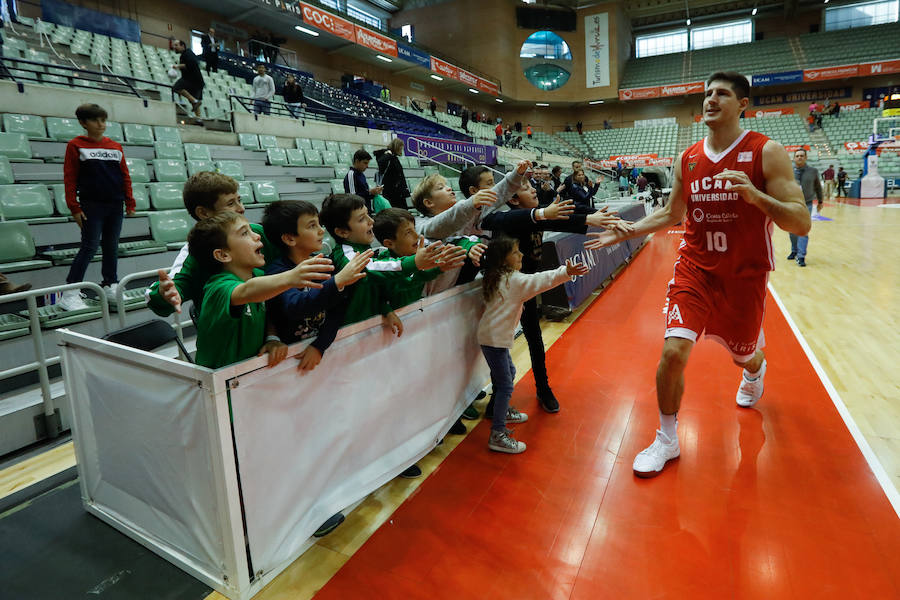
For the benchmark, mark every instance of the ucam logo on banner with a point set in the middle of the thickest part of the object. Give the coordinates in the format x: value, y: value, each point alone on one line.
x: 331, y: 23
x: 841, y: 72
x: 778, y: 78
x: 375, y: 41
x: 417, y: 57
x: 443, y: 150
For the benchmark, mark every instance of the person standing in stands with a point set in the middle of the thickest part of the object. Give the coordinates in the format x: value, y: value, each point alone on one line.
x: 390, y: 169
x: 580, y: 127
x: 98, y: 186
x: 465, y: 119
x: 293, y: 96
x: 498, y: 133
x: 433, y: 106
x: 263, y: 91
x: 528, y: 131
x: 190, y: 85
x: 210, y: 51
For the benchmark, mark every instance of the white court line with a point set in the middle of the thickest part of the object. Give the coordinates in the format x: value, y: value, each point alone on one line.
x: 877, y: 469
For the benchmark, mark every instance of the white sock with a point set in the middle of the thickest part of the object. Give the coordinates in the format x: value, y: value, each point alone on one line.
x: 668, y: 424
x: 752, y: 376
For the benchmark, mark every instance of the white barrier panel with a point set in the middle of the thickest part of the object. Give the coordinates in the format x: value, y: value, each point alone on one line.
x: 156, y: 456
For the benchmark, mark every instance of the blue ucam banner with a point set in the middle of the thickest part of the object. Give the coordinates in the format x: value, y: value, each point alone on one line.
x: 778, y: 78
x: 413, y: 55
x: 94, y: 21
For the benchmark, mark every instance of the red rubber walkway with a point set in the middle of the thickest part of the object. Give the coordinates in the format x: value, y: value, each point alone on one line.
x: 765, y: 503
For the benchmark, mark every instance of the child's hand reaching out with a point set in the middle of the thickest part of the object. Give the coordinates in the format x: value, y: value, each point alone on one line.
x: 575, y: 269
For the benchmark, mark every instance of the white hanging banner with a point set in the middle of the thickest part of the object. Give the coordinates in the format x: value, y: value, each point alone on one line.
x: 596, y: 48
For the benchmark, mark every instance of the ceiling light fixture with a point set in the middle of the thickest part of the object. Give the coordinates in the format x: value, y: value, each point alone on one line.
x: 384, y: 58
x: 473, y: 90
x: 437, y: 77
x: 306, y: 31
x: 753, y: 12
x: 498, y: 100
x: 596, y: 102
x: 542, y: 104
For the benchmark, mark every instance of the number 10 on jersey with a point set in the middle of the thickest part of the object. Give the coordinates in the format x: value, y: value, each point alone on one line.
x: 716, y: 241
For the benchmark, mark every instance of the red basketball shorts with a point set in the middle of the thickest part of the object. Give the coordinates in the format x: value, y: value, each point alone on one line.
x: 728, y: 310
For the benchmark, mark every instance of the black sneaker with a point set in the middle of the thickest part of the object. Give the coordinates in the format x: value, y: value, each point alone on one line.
x: 792, y: 256
x: 329, y: 525
x: 480, y: 395
x: 801, y: 261
x: 489, y: 409
x: 471, y: 413
x: 458, y: 428
x: 412, y: 472
x: 547, y: 400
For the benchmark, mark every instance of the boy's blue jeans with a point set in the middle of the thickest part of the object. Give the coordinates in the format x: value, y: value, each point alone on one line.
x: 503, y: 373
x: 103, y: 224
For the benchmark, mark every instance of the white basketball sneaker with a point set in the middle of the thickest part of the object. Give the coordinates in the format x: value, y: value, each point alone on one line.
x: 72, y: 300
x: 751, y: 390
x: 650, y: 462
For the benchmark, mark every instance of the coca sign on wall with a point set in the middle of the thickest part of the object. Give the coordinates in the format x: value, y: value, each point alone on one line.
x: 375, y: 41
x: 331, y: 23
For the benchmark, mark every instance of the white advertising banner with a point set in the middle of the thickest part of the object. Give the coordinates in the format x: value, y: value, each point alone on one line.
x: 309, y: 446
x: 596, y: 48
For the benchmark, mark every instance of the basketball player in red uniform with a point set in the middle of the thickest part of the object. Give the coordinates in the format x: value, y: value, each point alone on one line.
x: 729, y: 189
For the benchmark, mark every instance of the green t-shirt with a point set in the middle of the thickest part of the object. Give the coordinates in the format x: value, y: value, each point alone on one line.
x: 191, y: 279
x: 228, y: 334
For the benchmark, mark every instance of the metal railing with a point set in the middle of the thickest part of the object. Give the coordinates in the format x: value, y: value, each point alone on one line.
x: 178, y: 322
x: 42, y: 364
x: 283, y: 109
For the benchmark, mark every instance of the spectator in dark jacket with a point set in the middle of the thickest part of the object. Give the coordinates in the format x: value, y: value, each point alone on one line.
x: 582, y: 192
x: 293, y: 95
x: 390, y: 169
x: 210, y: 50
x: 433, y: 106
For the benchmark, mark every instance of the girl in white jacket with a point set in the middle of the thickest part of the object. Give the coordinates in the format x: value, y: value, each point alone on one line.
x: 505, y: 289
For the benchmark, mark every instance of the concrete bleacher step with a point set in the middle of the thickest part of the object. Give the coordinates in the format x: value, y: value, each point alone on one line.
x: 53, y: 316
x: 13, y: 326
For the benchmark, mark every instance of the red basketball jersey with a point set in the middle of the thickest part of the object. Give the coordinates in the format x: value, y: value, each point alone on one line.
x: 723, y: 234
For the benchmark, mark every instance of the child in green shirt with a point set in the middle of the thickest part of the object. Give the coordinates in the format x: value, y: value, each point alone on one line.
x: 232, y: 319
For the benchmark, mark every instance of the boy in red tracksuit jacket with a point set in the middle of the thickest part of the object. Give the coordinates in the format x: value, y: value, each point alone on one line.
x: 98, y: 186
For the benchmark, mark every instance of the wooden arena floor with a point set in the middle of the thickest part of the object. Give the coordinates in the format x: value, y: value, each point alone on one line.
x: 772, y: 502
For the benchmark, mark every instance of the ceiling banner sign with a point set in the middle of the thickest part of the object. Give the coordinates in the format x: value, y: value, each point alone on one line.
x: 414, y: 55
x: 830, y: 73
x: 467, y: 78
x: 631, y: 157
x: 488, y: 86
x: 639, y: 93
x: 333, y: 24
x: 777, y: 78
x: 375, y: 41
x: 803, y: 96
x: 596, y: 47
x: 444, y: 68
x: 682, y: 89
x: 879, y: 68
x: 769, y: 112
x: 854, y: 105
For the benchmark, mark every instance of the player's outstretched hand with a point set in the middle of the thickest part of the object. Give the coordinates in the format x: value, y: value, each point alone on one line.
x: 609, y: 220
x: 451, y: 257
x: 559, y: 210
x: 740, y: 183
x: 168, y: 291
x: 603, y: 239
x: 523, y: 167
x: 277, y: 352
x: 426, y: 256
x: 354, y: 270
x: 393, y: 322
x: 310, y: 272
x: 484, y: 198
x: 575, y: 269
x: 476, y: 252
x: 308, y: 359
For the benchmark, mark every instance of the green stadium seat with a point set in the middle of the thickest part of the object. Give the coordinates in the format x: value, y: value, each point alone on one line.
x: 276, y: 157
x: 166, y: 196
x: 171, y: 227
x: 13, y: 326
x: 168, y: 150
x: 329, y: 157
x: 15, y: 146
x: 25, y: 202
x: 303, y: 143
x: 267, y: 141
x: 196, y: 152
x: 295, y: 157
x: 245, y: 191
x: 369, y: 148
x: 137, y: 134
x: 17, y: 248
x: 196, y: 166
x: 169, y: 170
x: 63, y: 130
x: 345, y: 147
x: 232, y: 168
x: 167, y: 134
x: 318, y: 145
x: 248, y: 141
x: 6, y: 174
x: 114, y: 132
x: 337, y: 186
x: 345, y: 158
x: 137, y: 168
x: 313, y: 157
x: 59, y: 199
x: 265, y: 191
x: 332, y: 145
x: 141, y: 197
x: 32, y: 126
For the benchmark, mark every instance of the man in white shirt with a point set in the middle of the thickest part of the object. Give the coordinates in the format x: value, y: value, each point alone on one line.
x: 263, y: 90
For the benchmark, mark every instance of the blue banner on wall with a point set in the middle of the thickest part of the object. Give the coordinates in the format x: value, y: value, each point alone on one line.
x: 803, y: 96
x: 413, y: 55
x: 94, y: 21
x: 778, y: 78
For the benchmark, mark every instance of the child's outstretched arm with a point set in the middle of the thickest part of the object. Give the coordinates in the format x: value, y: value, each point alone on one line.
x: 508, y: 186
x: 526, y: 286
x: 259, y: 289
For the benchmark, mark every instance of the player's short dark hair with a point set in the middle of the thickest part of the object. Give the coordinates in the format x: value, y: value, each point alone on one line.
x: 361, y: 155
x: 280, y: 217
x: 469, y: 178
x: 336, y: 211
x: 739, y: 84
x: 204, y: 188
x: 210, y: 235
x: 389, y: 220
x: 86, y: 112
